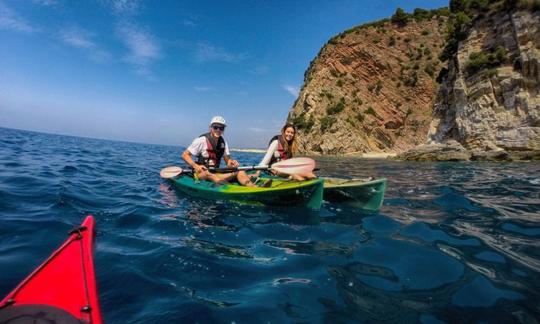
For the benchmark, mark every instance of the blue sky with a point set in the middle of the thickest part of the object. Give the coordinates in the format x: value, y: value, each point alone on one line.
x: 157, y: 71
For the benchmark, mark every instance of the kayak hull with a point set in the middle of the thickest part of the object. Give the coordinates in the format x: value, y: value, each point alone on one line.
x: 61, y: 288
x: 282, y: 192
x: 367, y: 195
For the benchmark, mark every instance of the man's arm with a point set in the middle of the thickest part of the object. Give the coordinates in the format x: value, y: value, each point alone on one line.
x: 186, y: 155
x: 230, y: 162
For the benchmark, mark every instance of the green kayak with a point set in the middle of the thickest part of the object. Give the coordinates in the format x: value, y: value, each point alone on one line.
x: 361, y: 193
x: 281, y: 193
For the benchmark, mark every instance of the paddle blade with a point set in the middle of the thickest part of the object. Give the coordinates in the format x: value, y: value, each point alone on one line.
x: 295, y: 166
x: 170, y: 172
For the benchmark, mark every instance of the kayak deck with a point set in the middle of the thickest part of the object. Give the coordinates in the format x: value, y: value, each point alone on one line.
x: 281, y: 193
x: 63, y: 288
x: 361, y: 193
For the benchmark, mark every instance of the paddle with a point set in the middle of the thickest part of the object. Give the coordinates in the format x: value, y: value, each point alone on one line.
x: 291, y: 166
x: 170, y: 172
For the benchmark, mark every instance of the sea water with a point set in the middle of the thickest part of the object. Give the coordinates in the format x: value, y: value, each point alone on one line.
x: 453, y: 242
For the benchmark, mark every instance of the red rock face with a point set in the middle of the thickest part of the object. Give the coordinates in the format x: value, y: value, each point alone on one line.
x: 371, y: 89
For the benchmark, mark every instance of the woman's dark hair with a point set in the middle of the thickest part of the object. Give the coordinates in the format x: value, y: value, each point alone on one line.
x: 292, y: 146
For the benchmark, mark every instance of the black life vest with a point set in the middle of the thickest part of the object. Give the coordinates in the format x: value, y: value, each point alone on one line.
x: 215, y: 149
x: 283, y: 154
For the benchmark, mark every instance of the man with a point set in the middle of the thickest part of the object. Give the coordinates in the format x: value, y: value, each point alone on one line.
x: 208, y: 149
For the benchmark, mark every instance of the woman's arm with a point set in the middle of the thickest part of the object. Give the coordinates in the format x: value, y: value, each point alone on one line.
x: 269, y: 153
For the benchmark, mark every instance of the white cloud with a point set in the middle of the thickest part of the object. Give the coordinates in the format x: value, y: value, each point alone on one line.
x: 190, y: 21
x: 208, y: 53
x: 11, y: 21
x: 260, y: 70
x: 203, y: 88
x: 291, y: 89
x: 46, y: 3
x: 260, y: 130
x: 77, y: 37
x: 83, y: 39
x: 124, y: 7
x: 143, y: 47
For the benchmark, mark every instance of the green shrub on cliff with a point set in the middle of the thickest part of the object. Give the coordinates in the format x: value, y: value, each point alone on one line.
x: 523, y: 4
x: 301, y: 123
x: 480, y: 60
x: 471, y: 5
x: 347, y: 60
x: 442, y: 12
x: 421, y: 14
x: 400, y: 17
x: 378, y: 87
x: 463, y: 12
x: 327, y: 122
x: 371, y: 111
x: 411, y: 79
x: 457, y: 30
x: 430, y: 69
x: 332, y: 110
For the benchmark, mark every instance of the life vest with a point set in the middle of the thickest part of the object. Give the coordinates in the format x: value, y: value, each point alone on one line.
x: 282, y: 153
x: 215, y: 149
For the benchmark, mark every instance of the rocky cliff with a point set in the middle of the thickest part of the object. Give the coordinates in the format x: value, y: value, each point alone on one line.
x: 372, y: 88
x: 490, y: 101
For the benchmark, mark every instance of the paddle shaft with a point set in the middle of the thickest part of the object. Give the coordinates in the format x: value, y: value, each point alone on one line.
x: 242, y: 168
x: 301, y: 165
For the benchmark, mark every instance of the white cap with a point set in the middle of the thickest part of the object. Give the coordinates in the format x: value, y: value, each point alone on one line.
x: 218, y: 120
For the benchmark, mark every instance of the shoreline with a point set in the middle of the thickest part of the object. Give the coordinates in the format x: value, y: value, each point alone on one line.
x: 371, y: 155
x: 248, y: 150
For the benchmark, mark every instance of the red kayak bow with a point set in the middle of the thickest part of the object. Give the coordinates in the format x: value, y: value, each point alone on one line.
x: 62, y: 289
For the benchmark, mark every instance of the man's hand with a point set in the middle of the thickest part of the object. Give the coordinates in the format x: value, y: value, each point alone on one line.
x: 200, y: 168
x: 232, y: 163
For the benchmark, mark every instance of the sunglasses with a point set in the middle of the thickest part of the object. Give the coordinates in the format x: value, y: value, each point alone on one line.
x: 217, y: 127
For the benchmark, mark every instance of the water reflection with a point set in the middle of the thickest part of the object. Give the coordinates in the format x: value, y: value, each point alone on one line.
x: 218, y: 249
x: 312, y: 248
x: 519, y: 249
x: 454, y: 242
x: 442, y: 236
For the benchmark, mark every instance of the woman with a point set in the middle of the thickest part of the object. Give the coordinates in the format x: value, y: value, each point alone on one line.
x: 284, y: 147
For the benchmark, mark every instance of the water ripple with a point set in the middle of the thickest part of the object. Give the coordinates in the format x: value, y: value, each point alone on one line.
x: 452, y: 242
